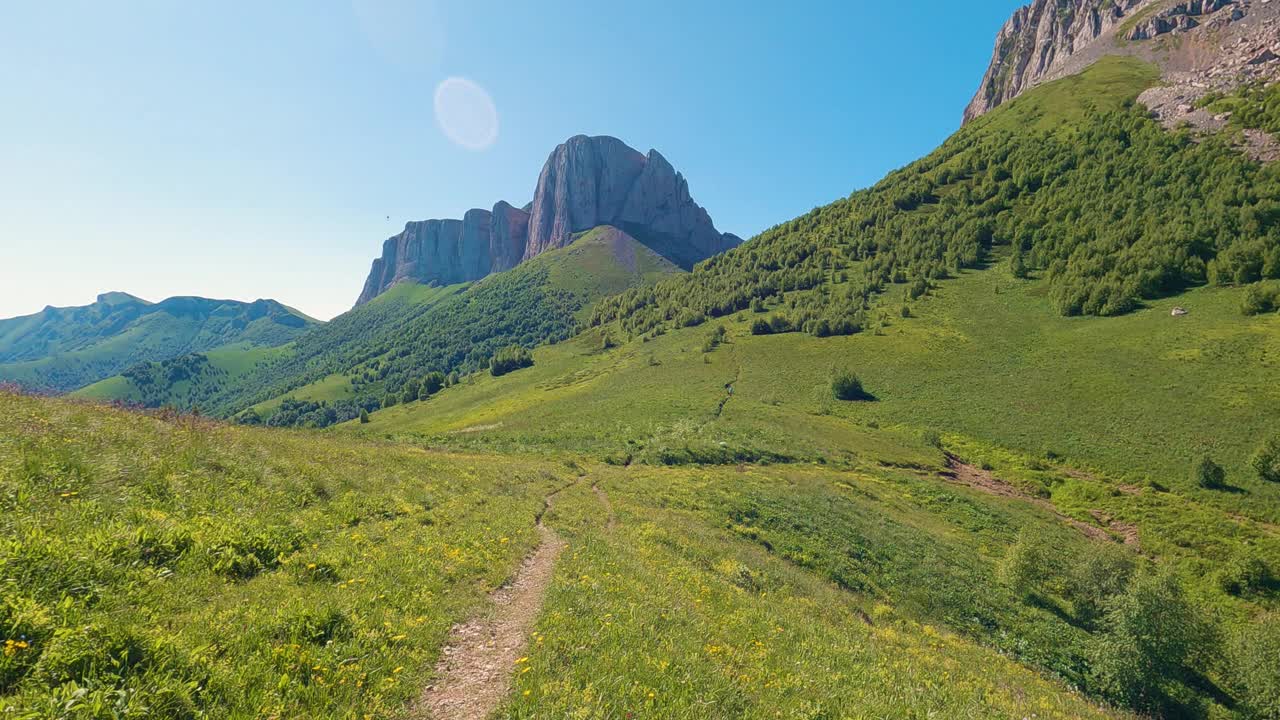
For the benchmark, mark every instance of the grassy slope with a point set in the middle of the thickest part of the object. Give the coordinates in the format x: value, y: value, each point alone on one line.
x: 370, y: 551
x: 235, y: 360
x: 364, y: 555
x: 600, y: 262
x: 1104, y: 417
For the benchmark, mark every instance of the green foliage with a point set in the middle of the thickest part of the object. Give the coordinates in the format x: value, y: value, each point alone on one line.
x: 1254, y: 106
x: 845, y: 385
x: 364, y: 416
x: 1266, y: 461
x: 1116, y: 212
x: 1097, y: 575
x: 1029, y: 565
x: 1255, y: 666
x: 1208, y: 474
x: 1245, y: 573
x: 1151, y: 642
x: 1260, y: 299
x: 62, y: 349
x: 510, y: 359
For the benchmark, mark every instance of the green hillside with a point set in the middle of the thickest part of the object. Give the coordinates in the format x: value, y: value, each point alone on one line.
x: 374, y: 351
x: 1012, y: 326
x: 325, y: 584
x: 62, y: 349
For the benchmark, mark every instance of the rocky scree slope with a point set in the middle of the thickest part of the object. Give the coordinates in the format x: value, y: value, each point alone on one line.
x: 1212, y: 44
x: 586, y: 182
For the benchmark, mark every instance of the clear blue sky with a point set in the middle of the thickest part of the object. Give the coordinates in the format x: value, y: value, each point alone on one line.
x: 256, y: 149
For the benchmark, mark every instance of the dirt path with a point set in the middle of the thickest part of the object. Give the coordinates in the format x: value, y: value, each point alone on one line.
x: 603, y: 497
x: 474, y: 673
x: 979, y: 479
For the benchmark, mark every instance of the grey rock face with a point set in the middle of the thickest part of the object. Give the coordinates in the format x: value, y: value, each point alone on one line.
x: 1179, y: 18
x: 586, y: 182
x: 1038, y: 39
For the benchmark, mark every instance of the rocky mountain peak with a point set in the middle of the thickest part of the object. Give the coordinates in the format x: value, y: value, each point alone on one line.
x: 586, y: 182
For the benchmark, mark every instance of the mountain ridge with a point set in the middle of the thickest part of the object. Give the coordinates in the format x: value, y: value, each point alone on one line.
x: 61, y: 349
x: 586, y: 182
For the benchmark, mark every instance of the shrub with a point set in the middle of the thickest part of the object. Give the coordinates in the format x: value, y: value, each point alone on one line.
x: 510, y: 359
x: 1208, y: 474
x: 1101, y: 573
x: 1255, y: 666
x: 1151, y: 637
x: 1259, y: 300
x: 432, y: 383
x: 364, y: 417
x: 845, y: 385
x: 1029, y: 565
x: 1266, y: 462
x: 1244, y: 573
x: 761, y: 327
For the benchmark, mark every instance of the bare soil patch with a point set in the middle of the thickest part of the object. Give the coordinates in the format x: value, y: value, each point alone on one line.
x: 963, y: 473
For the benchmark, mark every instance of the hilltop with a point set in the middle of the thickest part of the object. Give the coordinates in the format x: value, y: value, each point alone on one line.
x: 62, y: 349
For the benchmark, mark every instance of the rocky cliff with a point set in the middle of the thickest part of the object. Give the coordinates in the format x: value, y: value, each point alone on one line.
x: 1038, y: 41
x: 586, y: 182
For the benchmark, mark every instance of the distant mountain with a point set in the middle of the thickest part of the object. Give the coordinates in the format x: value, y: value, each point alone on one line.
x: 359, y: 358
x: 61, y: 349
x: 587, y: 182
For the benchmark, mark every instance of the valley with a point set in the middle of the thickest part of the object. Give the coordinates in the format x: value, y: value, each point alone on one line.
x: 995, y: 437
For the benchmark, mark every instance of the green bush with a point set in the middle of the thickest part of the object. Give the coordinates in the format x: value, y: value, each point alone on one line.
x: 1151, y: 640
x: 1255, y: 666
x: 845, y: 385
x: 1259, y: 300
x: 1266, y: 462
x: 1030, y: 565
x: 1100, y: 574
x: 510, y: 359
x: 1209, y: 474
x: 1246, y: 572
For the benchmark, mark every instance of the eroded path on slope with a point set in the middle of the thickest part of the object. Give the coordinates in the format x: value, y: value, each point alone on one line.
x: 474, y: 674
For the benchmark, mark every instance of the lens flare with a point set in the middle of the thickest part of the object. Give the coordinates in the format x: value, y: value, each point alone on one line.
x: 466, y: 114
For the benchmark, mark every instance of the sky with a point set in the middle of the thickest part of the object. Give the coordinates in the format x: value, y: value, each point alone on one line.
x: 247, y: 149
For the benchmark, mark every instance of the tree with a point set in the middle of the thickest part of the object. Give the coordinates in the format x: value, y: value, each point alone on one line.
x: 1208, y: 474
x: 1102, y: 572
x: 509, y: 359
x: 1266, y: 462
x: 1018, y: 266
x: 433, y: 383
x: 364, y: 417
x: 412, y: 391
x: 1151, y: 636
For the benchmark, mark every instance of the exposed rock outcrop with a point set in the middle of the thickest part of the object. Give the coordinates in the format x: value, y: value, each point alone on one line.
x: 1220, y: 44
x: 1038, y: 40
x: 586, y: 182
x: 1182, y: 17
